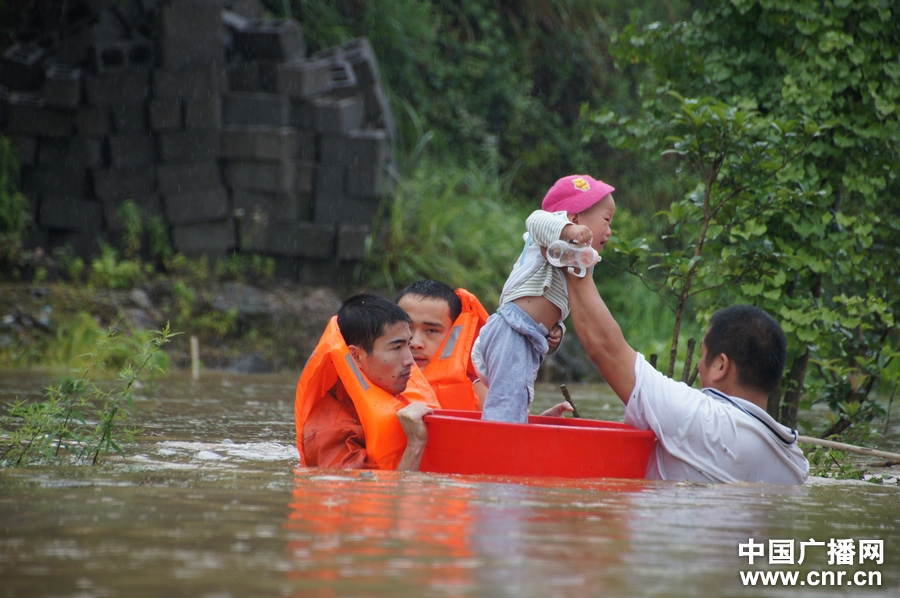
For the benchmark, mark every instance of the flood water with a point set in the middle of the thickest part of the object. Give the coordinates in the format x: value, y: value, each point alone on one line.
x: 211, y: 504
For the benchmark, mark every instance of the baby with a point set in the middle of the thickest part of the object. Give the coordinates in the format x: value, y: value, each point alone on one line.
x: 534, y: 301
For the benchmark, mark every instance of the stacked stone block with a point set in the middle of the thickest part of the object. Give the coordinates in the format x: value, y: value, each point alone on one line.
x: 214, y: 119
x: 75, y: 105
x: 269, y: 164
x: 186, y: 114
x: 355, y: 127
x: 364, y: 84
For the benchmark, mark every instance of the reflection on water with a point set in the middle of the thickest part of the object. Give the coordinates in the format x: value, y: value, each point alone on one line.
x: 212, y: 505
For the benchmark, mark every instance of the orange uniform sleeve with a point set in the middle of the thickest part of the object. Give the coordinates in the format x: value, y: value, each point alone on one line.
x: 332, y: 436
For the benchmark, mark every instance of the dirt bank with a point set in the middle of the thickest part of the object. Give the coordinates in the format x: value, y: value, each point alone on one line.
x: 239, y: 326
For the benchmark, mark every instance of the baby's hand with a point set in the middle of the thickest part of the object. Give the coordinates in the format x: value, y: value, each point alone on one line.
x: 577, y: 233
x: 558, y: 410
x: 554, y: 338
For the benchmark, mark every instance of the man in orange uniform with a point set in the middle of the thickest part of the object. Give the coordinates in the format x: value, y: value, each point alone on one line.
x: 360, y: 401
x: 444, y: 325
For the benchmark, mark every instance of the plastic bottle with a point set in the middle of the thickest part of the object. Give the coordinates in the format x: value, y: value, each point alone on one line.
x: 563, y: 254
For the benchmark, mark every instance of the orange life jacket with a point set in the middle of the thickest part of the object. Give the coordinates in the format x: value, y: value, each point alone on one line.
x: 449, y: 373
x: 376, y: 408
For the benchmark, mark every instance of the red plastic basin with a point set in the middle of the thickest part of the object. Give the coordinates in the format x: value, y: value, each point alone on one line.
x: 459, y: 442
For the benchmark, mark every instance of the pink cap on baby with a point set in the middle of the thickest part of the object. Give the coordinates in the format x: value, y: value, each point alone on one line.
x: 575, y: 193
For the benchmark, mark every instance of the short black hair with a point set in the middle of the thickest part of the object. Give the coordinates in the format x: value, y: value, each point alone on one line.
x: 433, y: 289
x: 362, y: 319
x: 753, y: 340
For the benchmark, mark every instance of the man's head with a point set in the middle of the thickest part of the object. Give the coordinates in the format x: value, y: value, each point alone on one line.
x: 752, y: 340
x: 433, y: 307
x: 377, y: 334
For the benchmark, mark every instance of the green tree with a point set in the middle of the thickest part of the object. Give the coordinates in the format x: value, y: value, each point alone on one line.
x: 834, y: 63
x: 739, y: 171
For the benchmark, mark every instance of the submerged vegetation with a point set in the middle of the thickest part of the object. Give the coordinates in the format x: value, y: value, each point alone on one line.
x: 82, y: 417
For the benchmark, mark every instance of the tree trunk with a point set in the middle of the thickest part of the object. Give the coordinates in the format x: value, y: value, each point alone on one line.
x: 773, y: 405
x: 676, y: 332
x: 688, y: 360
x: 838, y: 427
x: 795, y: 380
x: 797, y: 375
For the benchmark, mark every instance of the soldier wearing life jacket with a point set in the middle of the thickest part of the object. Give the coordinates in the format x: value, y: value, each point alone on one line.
x: 444, y: 325
x: 361, y: 399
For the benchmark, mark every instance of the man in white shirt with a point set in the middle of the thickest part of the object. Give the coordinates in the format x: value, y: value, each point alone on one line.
x: 721, y: 434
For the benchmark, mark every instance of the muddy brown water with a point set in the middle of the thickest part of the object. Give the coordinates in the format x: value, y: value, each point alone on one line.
x: 210, y: 503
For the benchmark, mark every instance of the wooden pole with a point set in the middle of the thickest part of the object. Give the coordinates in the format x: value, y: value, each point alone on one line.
x: 195, y: 358
x: 568, y: 398
x: 852, y: 448
x: 887, y: 419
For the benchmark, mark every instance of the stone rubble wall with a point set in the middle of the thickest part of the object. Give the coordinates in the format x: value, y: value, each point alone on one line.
x: 204, y: 113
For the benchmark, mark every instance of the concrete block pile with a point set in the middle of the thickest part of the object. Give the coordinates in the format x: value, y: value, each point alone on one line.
x: 205, y: 113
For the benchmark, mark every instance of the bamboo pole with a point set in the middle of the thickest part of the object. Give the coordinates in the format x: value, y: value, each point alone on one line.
x: 861, y: 450
x: 568, y: 398
x: 195, y: 358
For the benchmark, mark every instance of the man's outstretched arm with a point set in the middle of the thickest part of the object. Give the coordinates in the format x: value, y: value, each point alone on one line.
x: 601, y: 336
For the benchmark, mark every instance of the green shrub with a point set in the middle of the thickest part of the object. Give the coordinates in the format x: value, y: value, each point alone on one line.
x: 129, y: 214
x: 75, y: 340
x: 217, y: 323
x: 158, y: 241
x: 196, y: 270
x: 263, y: 267
x: 832, y: 463
x: 70, y: 265
x: 239, y: 266
x: 14, y: 207
x: 184, y: 299
x: 107, y: 271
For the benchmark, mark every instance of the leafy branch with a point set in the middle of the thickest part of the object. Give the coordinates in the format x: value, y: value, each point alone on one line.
x: 732, y: 166
x: 79, y: 420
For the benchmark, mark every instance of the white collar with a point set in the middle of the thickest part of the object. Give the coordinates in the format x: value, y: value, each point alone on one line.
x: 783, y: 433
